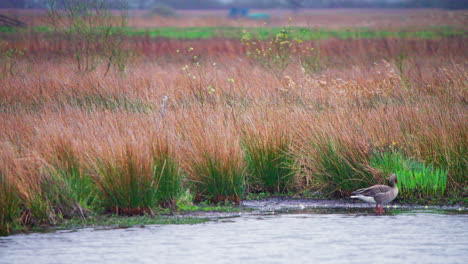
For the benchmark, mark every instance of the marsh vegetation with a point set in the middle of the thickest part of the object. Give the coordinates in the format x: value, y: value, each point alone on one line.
x: 130, y: 124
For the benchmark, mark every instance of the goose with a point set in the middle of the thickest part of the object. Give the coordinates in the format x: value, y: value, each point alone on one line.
x: 378, y: 194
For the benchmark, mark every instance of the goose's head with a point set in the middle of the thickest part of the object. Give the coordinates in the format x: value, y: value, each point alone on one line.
x: 393, y: 180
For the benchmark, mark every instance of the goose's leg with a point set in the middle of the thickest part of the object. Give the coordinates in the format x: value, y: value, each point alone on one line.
x: 378, y: 209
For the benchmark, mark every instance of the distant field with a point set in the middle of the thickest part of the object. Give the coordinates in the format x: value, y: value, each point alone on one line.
x: 382, y: 19
x: 262, y: 33
x: 311, y: 24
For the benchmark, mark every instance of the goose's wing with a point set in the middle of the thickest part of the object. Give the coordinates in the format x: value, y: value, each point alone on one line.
x: 373, y: 191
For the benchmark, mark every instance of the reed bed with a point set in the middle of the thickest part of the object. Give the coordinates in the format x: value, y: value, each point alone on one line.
x: 211, y: 120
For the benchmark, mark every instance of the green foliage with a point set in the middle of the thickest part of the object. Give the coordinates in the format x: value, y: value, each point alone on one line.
x: 59, y: 197
x: 102, y: 101
x: 169, y: 179
x: 9, y: 203
x: 266, y: 33
x: 295, y: 33
x: 202, y: 85
x: 79, y: 185
x: 49, y: 200
x: 135, y: 181
x: 417, y: 179
x: 128, y: 185
x: 9, y: 59
x: 93, y: 34
x: 401, y: 64
x: 338, y: 167
x: 311, y: 61
x: 218, y: 180
x: 452, y: 156
x: 279, y: 52
x: 275, y: 56
x: 269, y: 163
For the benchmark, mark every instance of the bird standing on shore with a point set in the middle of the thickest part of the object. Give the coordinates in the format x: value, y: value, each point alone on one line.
x: 378, y: 194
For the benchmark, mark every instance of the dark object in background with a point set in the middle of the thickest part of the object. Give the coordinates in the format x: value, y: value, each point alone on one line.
x: 6, y: 21
x: 238, y: 12
x: 244, y: 13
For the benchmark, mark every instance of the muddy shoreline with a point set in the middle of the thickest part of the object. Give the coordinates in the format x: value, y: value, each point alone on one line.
x: 262, y: 207
x: 281, y: 205
x: 291, y: 203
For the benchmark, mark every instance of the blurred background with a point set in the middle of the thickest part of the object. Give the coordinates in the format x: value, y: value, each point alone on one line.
x: 295, y: 4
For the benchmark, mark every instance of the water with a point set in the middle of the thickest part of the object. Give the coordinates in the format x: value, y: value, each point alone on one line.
x: 295, y: 236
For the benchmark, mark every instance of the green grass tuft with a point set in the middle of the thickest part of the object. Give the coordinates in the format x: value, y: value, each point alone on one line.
x: 337, y: 166
x: 128, y: 182
x: 169, y: 178
x: 269, y: 163
x: 9, y: 203
x: 218, y: 181
x: 417, y: 179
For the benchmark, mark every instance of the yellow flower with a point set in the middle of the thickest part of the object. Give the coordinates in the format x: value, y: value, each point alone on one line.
x: 211, y: 90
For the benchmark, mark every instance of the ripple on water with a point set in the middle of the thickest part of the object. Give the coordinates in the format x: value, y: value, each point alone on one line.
x: 305, y: 236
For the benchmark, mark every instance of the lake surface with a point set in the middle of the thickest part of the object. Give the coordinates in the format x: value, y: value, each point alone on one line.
x: 293, y: 236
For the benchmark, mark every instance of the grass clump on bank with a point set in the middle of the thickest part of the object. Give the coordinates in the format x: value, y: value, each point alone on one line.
x: 269, y: 162
x: 68, y: 167
x: 10, y: 203
x: 218, y: 181
x: 417, y: 180
x: 136, y: 179
x: 213, y: 159
x: 335, y: 165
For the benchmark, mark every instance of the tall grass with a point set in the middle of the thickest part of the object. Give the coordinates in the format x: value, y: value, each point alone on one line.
x: 335, y: 167
x: 214, y: 160
x: 333, y: 153
x: 45, y: 197
x: 9, y: 194
x: 217, y: 180
x: 170, y: 174
x: 445, y: 146
x: 87, y: 142
x: 67, y: 167
x: 9, y: 204
x: 135, y: 179
x: 269, y: 162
